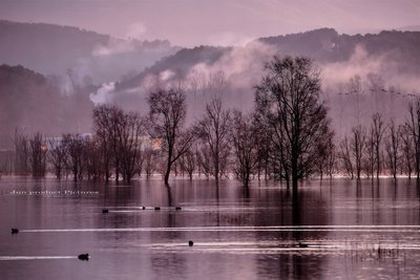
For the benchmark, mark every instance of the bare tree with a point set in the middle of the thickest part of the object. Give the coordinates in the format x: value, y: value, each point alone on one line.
x: 106, y: 119
x: 21, y: 145
x: 149, y: 156
x: 331, y: 160
x: 288, y: 100
x: 204, y: 160
x: 413, y: 126
x: 38, y: 155
x: 369, y: 158
x: 244, y: 139
x: 378, y: 130
x: 407, y: 150
x: 346, y: 157
x: 188, y: 163
x: 130, y: 130
x: 75, y: 153
x: 91, y: 159
x: 167, y: 117
x: 325, y: 158
x: 58, y: 156
x: 264, y: 145
x: 358, y: 146
x: 213, y: 130
x: 392, y: 145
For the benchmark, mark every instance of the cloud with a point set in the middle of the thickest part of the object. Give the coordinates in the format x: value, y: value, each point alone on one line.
x: 363, y: 64
x: 104, y: 94
x: 114, y: 46
x: 136, y: 31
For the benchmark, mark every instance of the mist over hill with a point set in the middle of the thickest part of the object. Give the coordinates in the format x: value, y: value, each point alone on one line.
x: 71, y: 70
x: 29, y: 102
x: 386, y: 64
x: 76, y: 55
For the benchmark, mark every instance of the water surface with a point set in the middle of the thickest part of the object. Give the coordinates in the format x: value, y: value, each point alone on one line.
x: 333, y: 230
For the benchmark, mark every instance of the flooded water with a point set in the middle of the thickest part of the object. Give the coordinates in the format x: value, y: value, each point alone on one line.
x: 335, y: 230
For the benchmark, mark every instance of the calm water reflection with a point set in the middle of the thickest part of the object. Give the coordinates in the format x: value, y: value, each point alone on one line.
x: 238, y: 233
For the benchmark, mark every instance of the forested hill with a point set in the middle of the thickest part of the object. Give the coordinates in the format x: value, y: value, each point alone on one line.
x: 391, y: 50
x: 44, y: 47
x: 59, y: 50
x: 29, y: 102
x: 326, y: 45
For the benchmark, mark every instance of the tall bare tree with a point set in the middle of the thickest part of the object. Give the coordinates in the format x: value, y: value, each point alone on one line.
x: 378, y: 130
x: 167, y: 117
x: 214, y: 131
x: 75, y: 153
x: 407, y: 150
x: 358, y: 146
x: 188, y: 163
x: 38, y: 155
x: 130, y: 131
x: 106, y: 120
x: 325, y: 158
x: 245, y: 144
x: 58, y: 156
x: 21, y: 145
x: 392, y: 146
x: 288, y: 100
x: 346, y: 157
x: 413, y: 127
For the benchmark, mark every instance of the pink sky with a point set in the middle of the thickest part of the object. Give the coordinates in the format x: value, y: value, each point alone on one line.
x: 218, y: 22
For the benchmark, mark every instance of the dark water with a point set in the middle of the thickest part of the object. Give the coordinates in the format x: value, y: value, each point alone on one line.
x: 345, y: 231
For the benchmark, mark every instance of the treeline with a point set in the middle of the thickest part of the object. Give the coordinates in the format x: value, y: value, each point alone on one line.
x: 382, y: 148
x: 287, y: 138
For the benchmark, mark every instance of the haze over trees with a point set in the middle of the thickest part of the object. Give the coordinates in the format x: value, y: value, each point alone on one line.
x: 288, y: 101
x: 214, y: 131
x: 288, y: 137
x: 167, y: 119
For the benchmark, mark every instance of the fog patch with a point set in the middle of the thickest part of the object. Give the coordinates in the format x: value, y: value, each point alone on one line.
x: 104, y: 94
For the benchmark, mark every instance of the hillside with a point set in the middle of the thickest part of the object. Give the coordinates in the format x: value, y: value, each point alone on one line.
x: 393, y: 50
x: 386, y: 64
x: 56, y: 50
x: 30, y: 102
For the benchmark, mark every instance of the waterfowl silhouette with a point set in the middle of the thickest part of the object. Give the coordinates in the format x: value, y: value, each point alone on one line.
x: 15, y: 230
x: 83, y: 257
x: 302, y: 245
x: 190, y: 243
x: 105, y: 210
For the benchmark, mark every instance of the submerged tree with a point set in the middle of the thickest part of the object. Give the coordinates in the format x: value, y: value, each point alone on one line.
x: 129, y: 135
x: 407, y: 150
x: 214, y: 131
x: 378, y: 130
x: 21, y: 145
x: 413, y: 128
x: 38, y: 155
x: 188, y: 163
x: 244, y: 139
x: 106, y: 120
x: 346, y: 158
x: 58, y: 156
x: 392, y: 146
x: 167, y: 117
x: 288, y: 101
x: 76, y: 150
x: 358, y: 147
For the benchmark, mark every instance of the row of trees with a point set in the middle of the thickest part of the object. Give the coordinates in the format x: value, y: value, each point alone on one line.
x: 287, y: 137
x: 382, y: 147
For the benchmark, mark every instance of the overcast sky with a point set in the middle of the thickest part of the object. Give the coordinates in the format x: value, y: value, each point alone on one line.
x: 218, y: 22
